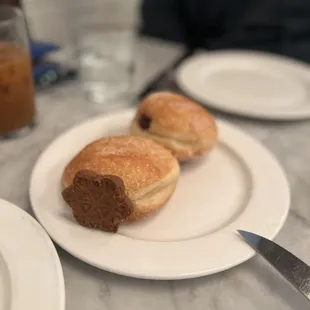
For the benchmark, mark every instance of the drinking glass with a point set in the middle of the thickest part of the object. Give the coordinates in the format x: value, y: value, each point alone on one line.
x: 105, y: 44
x: 17, y: 109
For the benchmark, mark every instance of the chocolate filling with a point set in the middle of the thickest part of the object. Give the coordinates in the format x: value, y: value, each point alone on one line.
x: 145, y: 121
x: 98, y: 201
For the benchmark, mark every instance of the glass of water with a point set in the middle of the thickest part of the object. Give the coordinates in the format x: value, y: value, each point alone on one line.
x: 105, y: 44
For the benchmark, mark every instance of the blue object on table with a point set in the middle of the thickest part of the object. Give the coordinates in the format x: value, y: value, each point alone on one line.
x: 46, y: 72
x: 44, y: 69
x: 39, y: 49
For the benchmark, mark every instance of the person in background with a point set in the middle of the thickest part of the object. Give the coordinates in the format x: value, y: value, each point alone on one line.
x: 278, y: 26
x: 11, y: 2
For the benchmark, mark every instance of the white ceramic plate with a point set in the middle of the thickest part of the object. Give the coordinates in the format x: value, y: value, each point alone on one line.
x: 30, y: 271
x: 239, y: 186
x: 251, y: 84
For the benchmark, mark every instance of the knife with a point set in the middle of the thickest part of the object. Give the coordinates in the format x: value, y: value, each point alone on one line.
x: 295, y: 271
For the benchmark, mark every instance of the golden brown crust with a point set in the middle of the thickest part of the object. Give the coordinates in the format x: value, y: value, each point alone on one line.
x: 176, y: 122
x: 145, y: 167
x: 177, y: 116
x: 147, y: 207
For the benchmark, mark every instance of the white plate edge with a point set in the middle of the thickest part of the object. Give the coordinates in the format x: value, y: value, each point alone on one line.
x: 270, y: 115
x: 51, y: 247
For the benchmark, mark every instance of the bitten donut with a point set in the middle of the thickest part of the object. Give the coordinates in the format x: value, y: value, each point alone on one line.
x: 117, y: 179
x: 177, y: 123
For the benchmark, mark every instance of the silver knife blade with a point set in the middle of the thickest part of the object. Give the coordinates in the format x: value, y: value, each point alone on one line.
x: 295, y: 271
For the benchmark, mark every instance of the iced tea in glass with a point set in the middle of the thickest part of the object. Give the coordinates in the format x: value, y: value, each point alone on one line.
x: 17, y: 109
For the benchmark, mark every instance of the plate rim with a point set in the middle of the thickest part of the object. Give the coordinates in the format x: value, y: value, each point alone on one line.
x: 115, y: 270
x: 276, y: 115
x: 58, y: 271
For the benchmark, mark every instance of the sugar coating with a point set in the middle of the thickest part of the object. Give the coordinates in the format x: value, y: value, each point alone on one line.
x: 177, y: 117
x: 139, y: 162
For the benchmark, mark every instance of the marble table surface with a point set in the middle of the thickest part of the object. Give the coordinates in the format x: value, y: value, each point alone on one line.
x: 253, y: 285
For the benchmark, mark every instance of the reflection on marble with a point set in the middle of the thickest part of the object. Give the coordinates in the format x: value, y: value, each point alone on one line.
x: 252, y: 286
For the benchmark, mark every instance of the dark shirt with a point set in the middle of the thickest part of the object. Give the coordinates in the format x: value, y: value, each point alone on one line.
x: 279, y: 26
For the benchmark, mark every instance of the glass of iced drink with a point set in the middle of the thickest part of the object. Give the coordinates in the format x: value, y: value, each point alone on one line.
x: 105, y: 34
x: 17, y: 109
